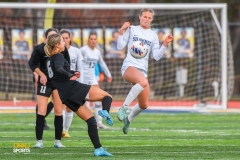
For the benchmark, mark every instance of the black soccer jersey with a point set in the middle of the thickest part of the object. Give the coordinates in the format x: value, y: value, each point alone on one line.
x: 39, y: 60
x: 60, y: 74
x: 31, y: 58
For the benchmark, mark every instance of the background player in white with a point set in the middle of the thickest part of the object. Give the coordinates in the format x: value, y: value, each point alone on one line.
x: 76, y: 65
x: 135, y: 70
x: 91, y: 55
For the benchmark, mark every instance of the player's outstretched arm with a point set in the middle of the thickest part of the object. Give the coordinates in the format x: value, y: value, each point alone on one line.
x: 159, y: 51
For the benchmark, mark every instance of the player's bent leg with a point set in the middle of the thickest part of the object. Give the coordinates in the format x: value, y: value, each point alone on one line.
x: 143, y: 98
x: 106, y: 102
x: 141, y: 105
x: 97, y: 94
x: 97, y: 108
x: 135, y: 77
x: 137, y: 109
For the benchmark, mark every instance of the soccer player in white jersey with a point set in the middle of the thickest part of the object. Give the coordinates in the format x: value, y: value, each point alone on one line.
x: 135, y: 70
x: 91, y: 55
x: 76, y: 65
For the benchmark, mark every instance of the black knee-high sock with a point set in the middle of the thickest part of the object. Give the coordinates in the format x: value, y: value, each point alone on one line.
x: 106, y: 103
x: 93, y: 132
x: 49, y: 108
x: 39, y: 127
x: 58, y: 123
x: 37, y: 113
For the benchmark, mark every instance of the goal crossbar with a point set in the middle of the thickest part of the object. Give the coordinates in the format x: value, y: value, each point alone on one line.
x: 113, y: 6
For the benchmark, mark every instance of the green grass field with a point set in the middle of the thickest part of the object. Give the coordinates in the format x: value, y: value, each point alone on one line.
x: 152, y: 136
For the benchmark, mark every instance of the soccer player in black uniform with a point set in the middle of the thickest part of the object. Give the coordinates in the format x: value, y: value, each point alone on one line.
x: 44, y: 90
x: 35, y: 82
x: 73, y: 93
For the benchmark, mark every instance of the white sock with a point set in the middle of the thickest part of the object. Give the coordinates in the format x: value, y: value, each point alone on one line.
x: 134, y: 113
x: 97, y: 107
x: 68, y: 120
x: 134, y: 92
x: 64, y: 118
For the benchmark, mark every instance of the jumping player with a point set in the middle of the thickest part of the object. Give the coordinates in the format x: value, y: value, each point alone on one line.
x: 135, y: 70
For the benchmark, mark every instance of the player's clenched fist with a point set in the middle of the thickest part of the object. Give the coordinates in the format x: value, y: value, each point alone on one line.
x: 124, y: 27
x: 168, y: 39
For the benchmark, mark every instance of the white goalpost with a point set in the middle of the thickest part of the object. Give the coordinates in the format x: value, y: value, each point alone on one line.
x: 183, y: 80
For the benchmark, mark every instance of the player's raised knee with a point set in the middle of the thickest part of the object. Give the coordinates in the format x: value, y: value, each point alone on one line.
x: 143, y: 83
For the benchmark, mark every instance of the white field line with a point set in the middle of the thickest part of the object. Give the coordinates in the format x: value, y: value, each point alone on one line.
x: 90, y: 147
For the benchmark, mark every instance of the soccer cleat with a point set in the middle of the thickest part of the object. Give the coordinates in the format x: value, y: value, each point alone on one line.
x: 106, y: 116
x: 101, y: 126
x: 122, y: 112
x: 126, y: 125
x: 39, y: 144
x: 101, y: 152
x: 58, y: 144
x: 65, y: 134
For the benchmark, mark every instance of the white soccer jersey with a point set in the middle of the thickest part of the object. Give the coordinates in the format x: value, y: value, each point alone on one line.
x: 90, y: 58
x: 148, y: 37
x: 76, y: 61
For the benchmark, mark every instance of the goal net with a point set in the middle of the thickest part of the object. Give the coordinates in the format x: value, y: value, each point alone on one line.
x: 196, y: 69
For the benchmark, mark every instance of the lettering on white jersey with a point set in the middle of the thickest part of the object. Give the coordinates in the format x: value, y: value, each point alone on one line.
x: 142, y: 40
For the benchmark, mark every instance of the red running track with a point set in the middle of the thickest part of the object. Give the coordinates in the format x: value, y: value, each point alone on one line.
x: 231, y: 104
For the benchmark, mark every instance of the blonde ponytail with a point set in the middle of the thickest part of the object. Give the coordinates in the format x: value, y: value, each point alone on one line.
x: 48, y: 50
x: 49, y: 47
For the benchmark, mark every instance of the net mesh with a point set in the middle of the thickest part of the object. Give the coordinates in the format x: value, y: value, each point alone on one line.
x: 195, y: 78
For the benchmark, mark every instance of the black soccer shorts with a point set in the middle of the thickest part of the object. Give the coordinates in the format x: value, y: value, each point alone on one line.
x: 45, y: 91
